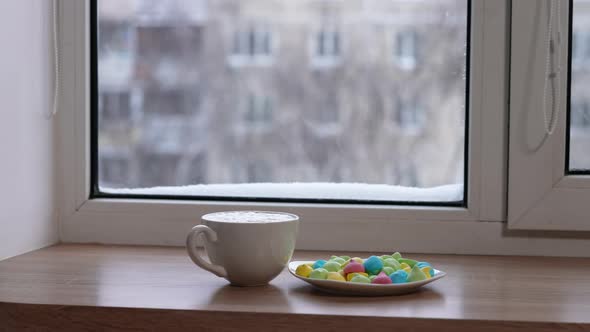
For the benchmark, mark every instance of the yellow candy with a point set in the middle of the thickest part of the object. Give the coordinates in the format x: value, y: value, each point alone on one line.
x: 351, y: 275
x: 407, y: 269
x: 303, y: 270
x: 341, y: 272
x: 335, y: 276
x: 358, y: 260
x: 426, y: 270
x: 404, y: 265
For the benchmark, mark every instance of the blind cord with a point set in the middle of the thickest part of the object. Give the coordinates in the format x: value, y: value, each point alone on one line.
x: 56, y: 59
x: 550, y: 120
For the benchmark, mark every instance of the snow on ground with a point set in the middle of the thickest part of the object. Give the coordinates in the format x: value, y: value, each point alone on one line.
x: 352, y: 191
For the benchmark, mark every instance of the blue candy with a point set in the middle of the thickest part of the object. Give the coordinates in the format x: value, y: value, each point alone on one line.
x: 319, y: 264
x: 399, y: 277
x: 423, y: 264
x: 373, y: 265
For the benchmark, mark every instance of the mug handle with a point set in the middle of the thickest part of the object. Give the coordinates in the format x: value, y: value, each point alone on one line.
x: 191, y: 247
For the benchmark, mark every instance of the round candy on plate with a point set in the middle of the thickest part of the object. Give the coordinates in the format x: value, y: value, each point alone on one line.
x: 319, y: 274
x: 381, y: 279
x: 393, y: 263
x: 399, y: 277
x: 359, y: 278
x: 354, y: 266
x: 303, y: 270
x: 319, y: 263
x: 332, y: 266
x: 335, y: 276
x: 373, y: 265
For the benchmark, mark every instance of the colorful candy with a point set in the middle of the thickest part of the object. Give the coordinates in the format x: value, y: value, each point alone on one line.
x: 388, y: 270
x: 354, y: 266
x: 359, y: 278
x: 373, y: 265
x: 428, y: 271
x: 410, y: 262
x: 332, y: 266
x: 416, y: 275
x: 381, y: 279
x: 303, y: 270
x: 352, y: 275
x: 335, y: 276
x: 338, y: 260
x: 318, y: 264
x: 319, y: 274
x: 399, y: 277
x: 379, y: 270
x: 393, y: 263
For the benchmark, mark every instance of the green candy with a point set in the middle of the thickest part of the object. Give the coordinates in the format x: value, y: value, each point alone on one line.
x: 392, y: 263
x: 345, y: 257
x: 410, y: 262
x: 396, y: 255
x: 359, y: 278
x: 416, y: 275
x: 384, y: 257
x: 372, y: 277
x: 388, y: 270
x: 338, y: 260
x: 332, y: 266
x: 319, y: 274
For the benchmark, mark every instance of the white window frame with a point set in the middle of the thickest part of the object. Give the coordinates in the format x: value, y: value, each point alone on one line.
x: 541, y: 196
x: 477, y: 229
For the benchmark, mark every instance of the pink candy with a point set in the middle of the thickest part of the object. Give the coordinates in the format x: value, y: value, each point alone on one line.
x: 382, y: 279
x: 353, y: 267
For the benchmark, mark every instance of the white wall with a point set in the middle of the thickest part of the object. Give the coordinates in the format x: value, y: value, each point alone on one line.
x: 26, y: 136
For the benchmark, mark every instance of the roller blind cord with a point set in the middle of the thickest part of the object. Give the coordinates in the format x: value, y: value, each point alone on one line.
x: 56, y: 58
x: 553, y: 46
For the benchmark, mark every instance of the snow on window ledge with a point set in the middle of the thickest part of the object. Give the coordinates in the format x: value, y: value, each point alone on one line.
x: 338, y: 191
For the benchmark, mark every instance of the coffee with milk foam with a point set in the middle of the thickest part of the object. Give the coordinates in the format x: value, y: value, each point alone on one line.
x: 249, y: 217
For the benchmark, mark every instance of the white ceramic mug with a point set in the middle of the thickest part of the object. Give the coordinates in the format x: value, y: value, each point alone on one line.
x: 248, y: 248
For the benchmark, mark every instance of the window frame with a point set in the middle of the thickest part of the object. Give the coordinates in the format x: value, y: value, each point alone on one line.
x: 440, y: 228
x: 542, y: 193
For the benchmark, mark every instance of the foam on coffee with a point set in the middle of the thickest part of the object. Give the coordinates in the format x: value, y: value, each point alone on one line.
x: 259, y: 217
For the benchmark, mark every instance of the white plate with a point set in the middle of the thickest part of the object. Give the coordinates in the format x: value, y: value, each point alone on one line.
x: 352, y: 288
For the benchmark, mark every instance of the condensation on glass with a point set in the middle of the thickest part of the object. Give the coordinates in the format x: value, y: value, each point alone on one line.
x: 579, y: 153
x: 353, y: 98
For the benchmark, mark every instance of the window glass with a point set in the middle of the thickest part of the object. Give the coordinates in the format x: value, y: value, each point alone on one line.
x: 579, y: 133
x: 193, y: 78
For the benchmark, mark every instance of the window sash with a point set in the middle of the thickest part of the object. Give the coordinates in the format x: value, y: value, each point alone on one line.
x: 540, y: 194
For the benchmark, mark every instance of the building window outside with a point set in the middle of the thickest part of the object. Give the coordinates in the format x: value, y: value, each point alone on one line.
x: 259, y: 111
x: 405, y: 49
x: 327, y: 47
x: 252, y: 45
x: 409, y: 116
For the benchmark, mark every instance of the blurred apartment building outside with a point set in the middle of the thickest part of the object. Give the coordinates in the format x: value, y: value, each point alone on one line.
x: 230, y: 91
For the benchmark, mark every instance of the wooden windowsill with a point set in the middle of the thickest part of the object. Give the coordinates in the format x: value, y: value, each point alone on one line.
x: 100, y: 287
